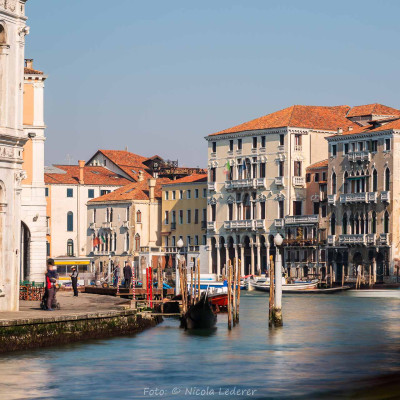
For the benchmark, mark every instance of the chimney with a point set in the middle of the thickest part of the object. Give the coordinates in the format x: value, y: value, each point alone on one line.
x: 140, y: 178
x: 350, y: 128
x: 152, y: 185
x: 81, y: 170
x: 339, y: 131
x: 29, y: 63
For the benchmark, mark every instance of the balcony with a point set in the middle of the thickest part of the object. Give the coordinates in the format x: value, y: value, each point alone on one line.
x: 372, y: 197
x: 302, y: 219
x: 107, y: 225
x: 384, y: 238
x: 252, y: 224
x: 279, y: 181
x: 298, y: 148
x: 332, y: 199
x: 173, y: 226
x: 92, y: 226
x: 371, y: 237
x: 355, y: 156
x: 352, y: 239
x: 331, y: 239
x: 298, y: 181
x: 211, y: 226
x: 385, y: 196
x: 211, y: 186
x: 259, y: 183
x: 259, y: 224
x: 253, y: 183
x: 126, y: 224
x: 279, y: 223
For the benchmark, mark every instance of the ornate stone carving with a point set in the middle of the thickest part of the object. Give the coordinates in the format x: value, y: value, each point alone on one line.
x: 8, y: 4
x: 6, y: 152
x: 212, y: 201
x: 20, y: 176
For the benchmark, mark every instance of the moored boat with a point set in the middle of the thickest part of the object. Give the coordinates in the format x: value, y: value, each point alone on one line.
x: 263, y: 284
x: 200, y: 315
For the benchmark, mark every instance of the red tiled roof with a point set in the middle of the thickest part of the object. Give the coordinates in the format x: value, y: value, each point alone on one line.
x: 312, y: 117
x: 133, y: 191
x: 31, y: 71
x: 189, y: 179
x: 319, y: 164
x: 91, y: 175
x: 390, y: 125
x: 372, y: 109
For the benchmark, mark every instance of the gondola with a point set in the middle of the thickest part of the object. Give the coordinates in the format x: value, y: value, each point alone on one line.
x: 200, y: 315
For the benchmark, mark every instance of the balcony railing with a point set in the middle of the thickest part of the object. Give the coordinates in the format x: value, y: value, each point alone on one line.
x: 259, y: 224
x: 353, y: 198
x: 298, y: 181
x: 211, y: 226
x: 384, y: 238
x: 107, y: 225
x: 352, y: 239
x: 301, y: 219
x: 211, y: 186
x: 331, y: 198
x: 279, y: 222
x: 331, y: 239
x: 371, y: 237
x: 385, y: 196
x: 252, y: 224
x: 355, y: 156
x: 280, y: 181
x: 298, y: 148
x: 245, y: 183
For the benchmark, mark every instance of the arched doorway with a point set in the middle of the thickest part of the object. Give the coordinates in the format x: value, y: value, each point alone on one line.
x: 213, y: 255
x: 25, y: 269
x: 357, y: 260
x: 263, y: 252
x: 222, y: 252
x: 247, y: 256
x: 380, y: 263
x: 231, y: 249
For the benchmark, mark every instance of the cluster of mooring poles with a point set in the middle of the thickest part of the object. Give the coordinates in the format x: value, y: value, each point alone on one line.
x: 275, y: 289
x: 233, y: 292
x: 190, y: 292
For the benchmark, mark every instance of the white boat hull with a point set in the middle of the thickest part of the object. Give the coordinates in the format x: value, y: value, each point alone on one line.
x: 286, y: 287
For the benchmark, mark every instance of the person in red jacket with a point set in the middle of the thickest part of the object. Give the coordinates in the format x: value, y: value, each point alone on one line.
x: 51, y: 279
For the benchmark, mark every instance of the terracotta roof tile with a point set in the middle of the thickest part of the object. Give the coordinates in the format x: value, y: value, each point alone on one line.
x: 319, y: 164
x: 312, y: 117
x: 189, y: 179
x: 30, y: 71
x: 91, y: 175
x: 133, y: 191
x: 372, y: 109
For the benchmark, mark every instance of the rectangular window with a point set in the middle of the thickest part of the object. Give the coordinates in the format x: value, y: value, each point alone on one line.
x: 104, y: 191
x: 166, y: 241
x: 323, y: 211
x: 166, y: 217
x: 46, y: 192
x: 181, y: 194
x: 281, y: 140
x: 204, y: 193
x: 196, y: 193
x: 173, y: 195
x: 213, y: 174
x: 173, y: 241
x: 47, y: 249
x: 297, y: 168
x: 213, y: 212
x: 214, y: 147
x: 204, y: 219
x: 297, y: 140
x: 316, y: 207
x: 166, y: 195
x: 196, y: 216
x: 181, y: 217
x: 188, y: 194
x: 189, y: 216
x: 262, y: 170
x: 231, y: 145
x: 281, y: 168
x: 173, y: 217
x: 263, y: 141
x: 70, y: 192
x: 196, y: 240
x: 188, y: 240
x: 316, y: 177
x: 324, y: 176
x: 297, y: 207
x: 239, y: 144
x: 374, y: 146
x: 346, y: 148
x: 333, y: 150
x: 204, y: 240
x: 91, y: 193
x: 230, y: 211
x: 262, y: 206
x: 308, y: 177
x: 281, y: 209
x: 360, y: 146
x: 254, y: 142
x: 387, y: 144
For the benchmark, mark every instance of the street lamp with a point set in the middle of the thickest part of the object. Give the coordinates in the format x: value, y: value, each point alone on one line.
x: 278, y: 240
x: 179, y: 245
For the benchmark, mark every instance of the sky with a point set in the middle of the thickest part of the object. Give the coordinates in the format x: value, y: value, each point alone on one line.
x: 158, y: 76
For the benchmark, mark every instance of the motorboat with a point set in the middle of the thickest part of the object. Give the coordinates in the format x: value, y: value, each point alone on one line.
x: 263, y: 284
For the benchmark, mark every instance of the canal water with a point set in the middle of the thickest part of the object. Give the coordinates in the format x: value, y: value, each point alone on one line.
x: 329, y: 347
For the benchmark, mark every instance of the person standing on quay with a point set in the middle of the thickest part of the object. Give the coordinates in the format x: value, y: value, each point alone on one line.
x: 74, y: 280
x: 51, y: 279
x: 127, y: 275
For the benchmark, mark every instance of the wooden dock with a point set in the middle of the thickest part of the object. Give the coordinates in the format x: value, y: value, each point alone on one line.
x: 111, y: 291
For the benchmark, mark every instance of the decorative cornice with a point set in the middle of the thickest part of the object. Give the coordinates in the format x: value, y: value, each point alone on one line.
x: 233, y: 135
x: 361, y: 135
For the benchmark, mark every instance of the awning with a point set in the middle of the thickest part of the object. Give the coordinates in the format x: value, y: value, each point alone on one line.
x: 72, y: 261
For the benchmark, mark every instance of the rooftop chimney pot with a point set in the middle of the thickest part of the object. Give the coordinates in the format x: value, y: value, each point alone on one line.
x: 29, y: 63
x: 81, y: 170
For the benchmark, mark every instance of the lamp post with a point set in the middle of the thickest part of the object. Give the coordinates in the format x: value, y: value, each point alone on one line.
x: 277, y: 312
x: 179, y: 245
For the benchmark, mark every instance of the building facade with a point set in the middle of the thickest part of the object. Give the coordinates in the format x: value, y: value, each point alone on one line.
x: 257, y: 176
x: 12, y: 139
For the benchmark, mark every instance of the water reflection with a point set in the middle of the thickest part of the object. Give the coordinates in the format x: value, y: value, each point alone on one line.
x: 326, y: 343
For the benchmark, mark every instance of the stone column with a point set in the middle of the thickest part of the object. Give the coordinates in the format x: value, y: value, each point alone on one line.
x: 258, y: 245
x: 267, y: 254
x: 226, y: 258
x: 209, y: 256
x: 252, y: 248
x: 217, y: 246
x: 242, y: 259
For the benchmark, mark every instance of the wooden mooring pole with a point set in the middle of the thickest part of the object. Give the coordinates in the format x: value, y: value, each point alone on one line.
x: 343, y: 275
x: 271, y: 290
x: 238, y: 290
x: 198, y: 280
x: 234, y: 293
x: 229, y: 295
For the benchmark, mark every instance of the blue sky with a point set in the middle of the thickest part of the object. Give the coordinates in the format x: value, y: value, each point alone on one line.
x: 158, y: 76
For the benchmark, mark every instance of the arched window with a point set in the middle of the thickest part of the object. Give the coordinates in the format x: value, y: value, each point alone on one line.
x: 246, y: 206
x: 70, y: 221
x: 373, y: 222
x: 345, y: 183
x: 344, y: 224
x: 108, y: 215
x: 352, y: 224
x: 111, y: 215
x: 333, y: 224
x: 137, y: 242
x: 375, y: 181
x: 127, y: 241
x: 115, y: 242
x: 333, y: 183
x: 70, y: 248
x: 139, y: 216
x: 386, y: 222
x: 362, y: 224
x: 387, y: 179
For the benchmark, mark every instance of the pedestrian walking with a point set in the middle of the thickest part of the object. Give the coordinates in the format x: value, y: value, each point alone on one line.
x: 51, y: 279
x: 74, y: 280
x: 116, y: 275
x: 127, y: 275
